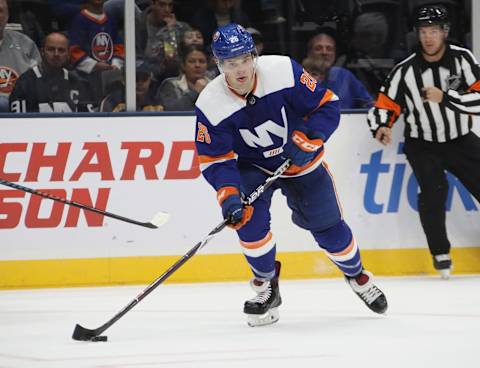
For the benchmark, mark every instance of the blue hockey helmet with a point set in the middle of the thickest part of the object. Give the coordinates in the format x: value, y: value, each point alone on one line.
x: 232, y: 40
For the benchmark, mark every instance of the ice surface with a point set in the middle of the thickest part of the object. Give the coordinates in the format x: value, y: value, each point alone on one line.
x: 430, y: 323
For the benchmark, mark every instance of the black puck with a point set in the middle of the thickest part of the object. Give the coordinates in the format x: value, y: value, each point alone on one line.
x: 99, y: 338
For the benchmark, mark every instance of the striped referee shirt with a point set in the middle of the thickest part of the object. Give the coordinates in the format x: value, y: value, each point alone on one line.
x: 457, y: 73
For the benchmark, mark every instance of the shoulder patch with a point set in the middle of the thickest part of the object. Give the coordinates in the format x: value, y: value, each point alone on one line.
x: 307, y: 80
x: 202, y: 134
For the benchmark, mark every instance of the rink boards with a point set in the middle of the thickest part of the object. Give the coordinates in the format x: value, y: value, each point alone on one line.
x: 136, y: 166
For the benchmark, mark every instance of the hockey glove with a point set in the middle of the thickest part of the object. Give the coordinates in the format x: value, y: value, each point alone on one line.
x: 301, y: 149
x: 233, y: 208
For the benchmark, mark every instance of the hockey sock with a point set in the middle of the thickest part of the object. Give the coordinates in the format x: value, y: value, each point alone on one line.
x: 260, y: 256
x: 341, y: 247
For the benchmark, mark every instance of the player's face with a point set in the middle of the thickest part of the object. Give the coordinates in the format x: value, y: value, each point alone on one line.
x: 195, y: 65
x: 55, y: 51
x: 239, y: 72
x: 432, y: 39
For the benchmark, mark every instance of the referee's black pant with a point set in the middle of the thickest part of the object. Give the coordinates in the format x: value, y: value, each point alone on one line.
x: 429, y: 161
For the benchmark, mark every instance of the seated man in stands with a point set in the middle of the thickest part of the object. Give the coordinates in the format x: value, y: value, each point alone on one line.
x: 321, y: 52
x: 17, y: 54
x: 145, y: 93
x: 49, y: 87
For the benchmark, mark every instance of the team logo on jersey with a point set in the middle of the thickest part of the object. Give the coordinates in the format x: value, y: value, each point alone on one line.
x: 262, y: 136
x: 8, y: 78
x: 102, y: 47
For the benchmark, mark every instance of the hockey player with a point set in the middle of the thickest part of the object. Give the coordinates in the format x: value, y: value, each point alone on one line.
x: 438, y: 87
x: 49, y: 86
x: 255, y: 114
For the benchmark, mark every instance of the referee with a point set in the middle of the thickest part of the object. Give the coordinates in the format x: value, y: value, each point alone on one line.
x: 437, y: 88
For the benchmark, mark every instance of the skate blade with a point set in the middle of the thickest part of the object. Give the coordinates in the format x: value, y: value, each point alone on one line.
x: 256, y: 320
x: 444, y: 274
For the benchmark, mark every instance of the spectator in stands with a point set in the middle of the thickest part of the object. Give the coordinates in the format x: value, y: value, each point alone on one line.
x: 218, y: 13
x: 17, y: 54
x: 321, y: 52
x: 95, y: 45
x: 180, y: 93
x: 49, y: 86
x: 158, y: 36
x: 195, y: 37
x: 145, y: 93
x: 370, y: 58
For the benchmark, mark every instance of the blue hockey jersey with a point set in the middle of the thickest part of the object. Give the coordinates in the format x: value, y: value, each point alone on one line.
x: 95, y: 38
x: 254, y: 129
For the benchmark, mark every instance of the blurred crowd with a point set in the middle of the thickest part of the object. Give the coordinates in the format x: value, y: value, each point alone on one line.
x: 68, y: 56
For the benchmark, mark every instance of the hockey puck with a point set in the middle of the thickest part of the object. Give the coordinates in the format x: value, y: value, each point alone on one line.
x: 99, y: 338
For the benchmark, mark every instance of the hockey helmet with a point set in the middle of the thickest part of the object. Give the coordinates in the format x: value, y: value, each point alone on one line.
x: 432, y: 15
x: 232, y: 40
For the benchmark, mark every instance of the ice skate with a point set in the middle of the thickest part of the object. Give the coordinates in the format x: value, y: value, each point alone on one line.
x: 263, y: 309
x: 443, y: 264
x: 371, y: 295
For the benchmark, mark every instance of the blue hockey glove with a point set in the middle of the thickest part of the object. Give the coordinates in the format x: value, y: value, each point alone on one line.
x: 233, y: 209
x: 301, y: 149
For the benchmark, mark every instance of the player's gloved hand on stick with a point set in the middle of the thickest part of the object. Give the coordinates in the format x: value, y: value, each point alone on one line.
x: 233, y: 208
x: 301, y: 149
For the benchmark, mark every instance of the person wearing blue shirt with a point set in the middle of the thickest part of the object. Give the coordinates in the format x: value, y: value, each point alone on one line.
x: 321, y: 51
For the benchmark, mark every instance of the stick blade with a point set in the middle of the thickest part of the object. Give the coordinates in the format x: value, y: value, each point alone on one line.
x: 160, y: 219
x: 84, y: 334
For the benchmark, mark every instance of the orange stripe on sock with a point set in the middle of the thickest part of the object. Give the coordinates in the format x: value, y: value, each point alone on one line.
x: 346, y: 250
x: 257, y: 244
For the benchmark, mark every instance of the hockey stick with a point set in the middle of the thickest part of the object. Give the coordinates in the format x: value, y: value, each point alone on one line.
x: 84, y: 334
x: 158, y: 220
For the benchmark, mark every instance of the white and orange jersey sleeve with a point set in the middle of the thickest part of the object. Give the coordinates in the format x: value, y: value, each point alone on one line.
x: 319, y: 107
x: 214, y: 143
